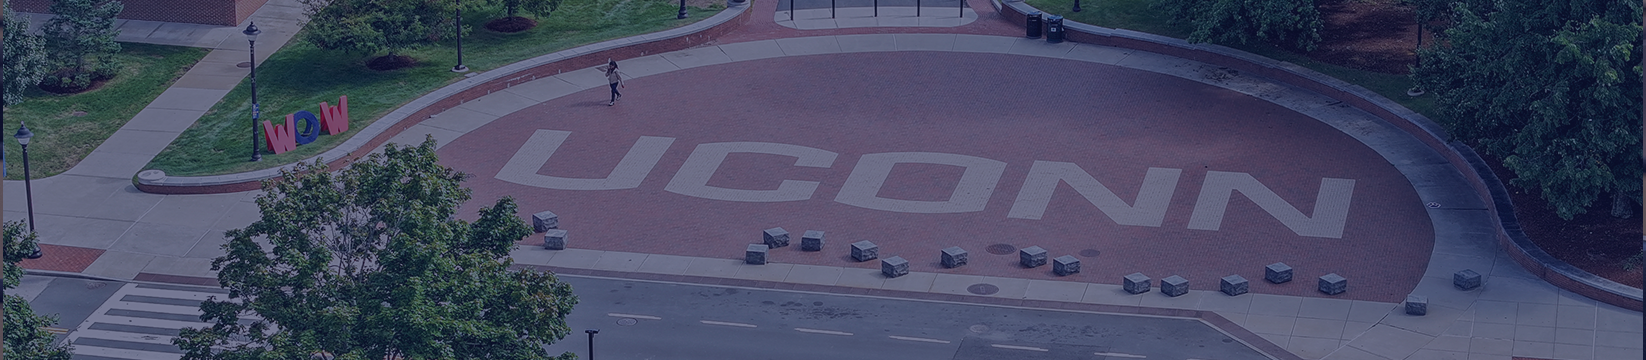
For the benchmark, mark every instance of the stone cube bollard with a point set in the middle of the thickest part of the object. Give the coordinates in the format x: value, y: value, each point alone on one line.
x: 954, y: 257
x: 756, y: 254
x: 1277, y: 273
x: 1234, y: 285
x: 1174, y: 286
x: 1137, y: 283
x: 545, y: 221
x: 1417, y: 305
x: 894, y: 266
x: 1333, y: 284
x: 775, y: 237
x: 865, y: 251
x: 812, y: 241
x: 554, y: 239
x: 1032, y: 256
x: 1065, y: 265
x: 1466, y: 279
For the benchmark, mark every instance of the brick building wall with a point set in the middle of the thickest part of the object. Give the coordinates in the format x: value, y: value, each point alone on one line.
x: 211, y: 12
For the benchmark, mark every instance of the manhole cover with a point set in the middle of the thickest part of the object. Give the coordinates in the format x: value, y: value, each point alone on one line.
x: 627, y: 321
x: 983, y: 289
x: 95, y: 284
x: 980, y: 329
x: 1090, y: 253
x: 1001, y: 249
x: 243, y: 65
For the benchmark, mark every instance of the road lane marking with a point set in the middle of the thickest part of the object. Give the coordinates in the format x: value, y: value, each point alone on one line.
x: 1124, y: 355
x: 1018, y: 347
x: 634, y: 316
x: 710, y: 322
x: 830, y: 332
x: 919, y: 339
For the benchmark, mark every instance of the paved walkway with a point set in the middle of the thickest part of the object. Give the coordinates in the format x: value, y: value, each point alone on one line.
x: 97, y: 224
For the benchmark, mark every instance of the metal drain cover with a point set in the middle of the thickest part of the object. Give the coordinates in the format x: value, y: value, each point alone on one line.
x: 983, y: 289
x: 627, y: 321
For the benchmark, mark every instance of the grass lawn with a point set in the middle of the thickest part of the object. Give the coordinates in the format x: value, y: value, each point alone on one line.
x: 300, y: 76
x: 1139, y: 16
x: 67, y: 127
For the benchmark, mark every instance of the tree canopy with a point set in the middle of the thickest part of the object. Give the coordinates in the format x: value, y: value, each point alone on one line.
x: 369, y: 263
x: 1550, y: 87
x: 26, y: 336
x: 25, y: 57
x: 375, y: 26
x: 1279, y: 21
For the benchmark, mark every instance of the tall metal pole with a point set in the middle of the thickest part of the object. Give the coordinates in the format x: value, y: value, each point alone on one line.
x: 23, y: 136
x: 682, y: 14
x: 1076, y: 5
x: 460, y: 67
x: 256, y: 110
x: 591, y: 341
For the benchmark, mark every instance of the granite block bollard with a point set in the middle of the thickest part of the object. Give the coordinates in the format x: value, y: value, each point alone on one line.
x: 1234, y: 285
x: 954, y: 257
x: 1333, y: 284
x: 545, y: 221
x: 1032, y: 256
x: 775, y: 237
x: 865, y: 251
x: 1417, y: 305
x: 894, y: 266
x: 812, y: 240
x: 756, y: 254
x: 1277, y: 273
x: 1174, y: 286
x: 1065, y: 265
x: 1466, y: 279
x: 554, y: 239
x: 1137, y: 283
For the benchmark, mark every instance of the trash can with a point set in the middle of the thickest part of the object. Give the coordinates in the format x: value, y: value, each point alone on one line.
x: 1034, y: 25
x: 1054, y: 29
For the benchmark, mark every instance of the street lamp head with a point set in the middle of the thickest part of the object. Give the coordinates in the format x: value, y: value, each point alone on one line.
x: 23, y: 135
x: 251, y: 32
x: 592, y: 331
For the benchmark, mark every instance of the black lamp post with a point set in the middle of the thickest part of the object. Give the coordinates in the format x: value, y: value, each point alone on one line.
x: 251, y: 38
x: 683, y: 10
x: 1076, y: 5
x: 23, y: 136
x: 1417, y: 61
x: 591, y: 341
x: 460, y: 67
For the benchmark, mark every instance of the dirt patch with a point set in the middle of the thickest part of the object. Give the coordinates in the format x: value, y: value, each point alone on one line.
x: 512, y: 24
x: 1372, y: 35
x: 1595, y: 241
x: 391, y: 62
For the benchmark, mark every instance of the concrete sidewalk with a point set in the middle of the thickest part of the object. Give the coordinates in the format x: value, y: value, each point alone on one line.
x: 154, y: 237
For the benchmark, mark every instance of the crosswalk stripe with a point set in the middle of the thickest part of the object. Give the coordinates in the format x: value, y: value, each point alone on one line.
x: 124, y: 353
x: 122, y: 336
x: 199, y: 296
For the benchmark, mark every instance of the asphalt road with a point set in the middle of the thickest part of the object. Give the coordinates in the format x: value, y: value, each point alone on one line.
x: 647, y: 320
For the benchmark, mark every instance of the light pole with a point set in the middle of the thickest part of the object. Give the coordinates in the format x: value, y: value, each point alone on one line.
x: 1076, y: 5
x: 460, y: 67
x: 683, y: 10
x: 23, y: 136
x: 591, y: 341
x: 1417, y: 61
x: 251, y: 38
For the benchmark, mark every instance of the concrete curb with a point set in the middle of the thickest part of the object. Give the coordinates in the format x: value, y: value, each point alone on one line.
x: 456, y: 94
x: 1463, y: 158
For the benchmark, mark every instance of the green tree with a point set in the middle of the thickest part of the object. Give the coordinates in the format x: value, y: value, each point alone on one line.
x: 1550, y: 87
x: 1296, y: 21
x: 26, y: 336
x: 25, y: 57
x: 376, y: 26
x: 538, y: 8
x: 80, y: 42
x: 324, y: 284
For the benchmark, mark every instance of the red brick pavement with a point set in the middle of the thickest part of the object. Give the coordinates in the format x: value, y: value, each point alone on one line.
x: 1114, y: 122
x: 62, y: 258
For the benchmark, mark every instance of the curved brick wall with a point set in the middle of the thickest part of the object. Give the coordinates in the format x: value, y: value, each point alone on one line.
x: 210, y: 12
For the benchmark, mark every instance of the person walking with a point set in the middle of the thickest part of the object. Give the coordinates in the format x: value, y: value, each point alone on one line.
x: 615, y: 78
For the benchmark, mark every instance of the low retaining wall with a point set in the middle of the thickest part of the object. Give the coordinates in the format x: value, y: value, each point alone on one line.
x: 210, y: 12
x: 1463, y: 158
x: 463, y: 91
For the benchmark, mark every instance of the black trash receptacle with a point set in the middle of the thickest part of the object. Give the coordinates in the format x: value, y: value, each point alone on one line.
x: 1054, y: 29
x: 1034, y: 25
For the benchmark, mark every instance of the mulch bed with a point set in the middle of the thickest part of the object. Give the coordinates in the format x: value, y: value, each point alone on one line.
x: 1380, y: 36
x: 391, y: 62
x: 512, y: 24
